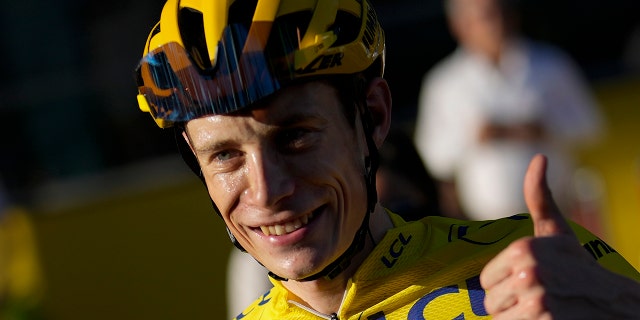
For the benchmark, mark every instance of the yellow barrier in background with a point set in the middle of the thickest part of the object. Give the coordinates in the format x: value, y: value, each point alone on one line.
x: 617, y: 159
x: 156, y: 253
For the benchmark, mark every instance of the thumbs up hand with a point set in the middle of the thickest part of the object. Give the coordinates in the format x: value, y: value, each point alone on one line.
x: 549, y: 275
x: 547, y: 218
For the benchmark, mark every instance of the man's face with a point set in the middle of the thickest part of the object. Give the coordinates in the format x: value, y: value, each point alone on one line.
x: 287, y: 177
x: 479, y: 25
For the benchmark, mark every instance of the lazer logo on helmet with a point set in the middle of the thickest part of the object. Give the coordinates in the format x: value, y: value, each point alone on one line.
x: 323, y: 62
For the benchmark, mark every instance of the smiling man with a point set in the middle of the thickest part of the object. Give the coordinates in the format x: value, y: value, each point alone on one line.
x: 280, y: 108
x: 286, y: 176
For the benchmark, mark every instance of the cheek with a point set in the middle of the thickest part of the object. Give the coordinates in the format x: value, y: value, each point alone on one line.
x: 339, y: 163
x: 225, y: 191
x: 347, y: 170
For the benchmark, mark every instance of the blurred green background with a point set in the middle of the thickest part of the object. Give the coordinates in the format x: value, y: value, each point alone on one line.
x: 121, y: 229
x: 153, y: 254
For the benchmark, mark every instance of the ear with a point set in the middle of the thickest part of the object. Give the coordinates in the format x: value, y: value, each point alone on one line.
x: 379, y: 104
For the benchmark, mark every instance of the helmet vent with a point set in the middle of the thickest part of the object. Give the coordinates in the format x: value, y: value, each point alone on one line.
x: 242, y: 11
x: 347, y: 27
x: 192, y: 34
x: 289, y: 28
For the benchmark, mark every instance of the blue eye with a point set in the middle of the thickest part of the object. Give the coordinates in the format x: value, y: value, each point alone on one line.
x: 226, y: 155
x: 222, y: 156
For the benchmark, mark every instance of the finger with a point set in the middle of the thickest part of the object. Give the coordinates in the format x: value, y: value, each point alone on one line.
x: 530, y: 305
x: 515, y: 257
x: 547, y: 218
x: 502, y: 296
x: 494, y: 304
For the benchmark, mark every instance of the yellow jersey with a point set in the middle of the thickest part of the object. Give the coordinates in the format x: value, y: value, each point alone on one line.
x: 427, y: 269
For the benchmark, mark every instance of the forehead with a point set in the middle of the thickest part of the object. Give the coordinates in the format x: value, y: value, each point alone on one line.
x: 311, y: 101
x: 317, y: 97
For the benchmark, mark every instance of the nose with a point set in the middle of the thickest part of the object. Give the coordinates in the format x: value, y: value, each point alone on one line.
x: 269, y: 179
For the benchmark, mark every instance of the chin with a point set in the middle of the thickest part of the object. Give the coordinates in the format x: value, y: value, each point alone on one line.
x: 298, y: 272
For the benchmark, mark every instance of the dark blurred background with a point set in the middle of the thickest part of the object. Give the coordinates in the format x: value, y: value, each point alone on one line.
x: 68, y: 96
x: 124, y: 231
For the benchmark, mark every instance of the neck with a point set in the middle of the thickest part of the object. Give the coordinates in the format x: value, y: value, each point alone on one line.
x: 324, y: 295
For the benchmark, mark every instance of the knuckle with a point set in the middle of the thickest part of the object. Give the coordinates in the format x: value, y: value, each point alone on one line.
x: 526, y: 277
x: 520, y: 249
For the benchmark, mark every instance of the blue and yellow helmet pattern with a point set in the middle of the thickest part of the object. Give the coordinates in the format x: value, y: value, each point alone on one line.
x: 217, y: 57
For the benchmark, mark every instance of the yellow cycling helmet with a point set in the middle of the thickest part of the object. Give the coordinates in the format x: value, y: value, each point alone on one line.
x: 219, y: 56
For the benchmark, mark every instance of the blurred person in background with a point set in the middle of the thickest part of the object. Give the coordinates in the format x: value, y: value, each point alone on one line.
x: 246, y: 280
x: 498, y: 99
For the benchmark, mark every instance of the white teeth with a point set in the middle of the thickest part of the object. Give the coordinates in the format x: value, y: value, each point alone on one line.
x: 291, y: 226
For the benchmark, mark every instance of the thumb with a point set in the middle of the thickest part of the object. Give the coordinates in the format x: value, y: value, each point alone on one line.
x: 547, y: 218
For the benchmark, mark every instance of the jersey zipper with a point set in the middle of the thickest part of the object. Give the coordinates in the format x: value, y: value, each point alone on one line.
x: 332, y: 316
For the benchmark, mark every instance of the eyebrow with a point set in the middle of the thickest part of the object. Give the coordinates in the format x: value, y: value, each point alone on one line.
x: 303, y: 115
x: 301, y: 118
x: 218, y: 145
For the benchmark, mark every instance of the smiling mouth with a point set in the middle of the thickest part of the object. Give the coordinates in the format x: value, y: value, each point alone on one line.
x: 286, y: 228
